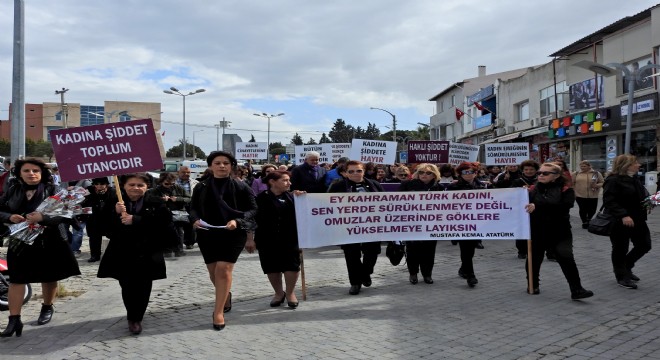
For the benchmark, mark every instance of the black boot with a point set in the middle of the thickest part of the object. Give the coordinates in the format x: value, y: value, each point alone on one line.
x: 46, y: 314
x: 14, y: 326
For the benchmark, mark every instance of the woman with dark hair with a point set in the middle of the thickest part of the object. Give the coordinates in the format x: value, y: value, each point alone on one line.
x: 587, y: 185
x: 276, y: 237
x: 467, y: 172
x: 360, y: 257
x: 139, y: 231
x: 622, y: 197
x: 421, y: 254
x: 175, y: 198
x: 550, y: 202
x: 447, y: 175
x: 380, y: 173
x: 370, y: 170
x: 259, y: 185
x: 566, y: 174
x: 47, y: 260
x: 222, y: 211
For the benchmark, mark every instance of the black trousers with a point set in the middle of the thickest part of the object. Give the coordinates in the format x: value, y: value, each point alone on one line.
x: 521, y: 245
x: 467, y: 253
x: 588, y: 208
x: 420, y: 255
x: 562, y: 246
x: 621, y: 236
x: 360, y: 260
x: 95, y: 240
x: 136, y: 294
x: 188, y: 234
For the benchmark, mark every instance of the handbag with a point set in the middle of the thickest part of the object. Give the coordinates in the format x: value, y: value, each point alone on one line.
x: 601, y: 224
x: 180, y: 216
x: 395, y: 251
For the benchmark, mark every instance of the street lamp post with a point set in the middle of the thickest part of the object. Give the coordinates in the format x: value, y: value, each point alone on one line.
x: 632, y: 76
x: 393, y: 121
x: 264, y: 115
x: 194, y: 151
x: 175, y: 91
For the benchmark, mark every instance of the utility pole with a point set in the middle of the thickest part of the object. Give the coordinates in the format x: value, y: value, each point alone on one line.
x: 222, y: 124
x: 18, y: 84
x: 64, y: 107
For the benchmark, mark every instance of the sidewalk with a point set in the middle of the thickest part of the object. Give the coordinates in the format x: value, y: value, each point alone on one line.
x: 392, y: 319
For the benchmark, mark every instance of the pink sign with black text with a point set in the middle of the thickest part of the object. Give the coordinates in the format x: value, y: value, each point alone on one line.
x: 104, y: 150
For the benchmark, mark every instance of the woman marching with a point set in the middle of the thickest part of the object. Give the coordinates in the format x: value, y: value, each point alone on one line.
x: 276, y: 237
x: 467, y: 173
x: 550, y: 202
x: 622, y: 197
x: 587, y: 185
x: 139, y: 230
x: 222, y: 201
x: 421, y: 254
x: 49, y: 259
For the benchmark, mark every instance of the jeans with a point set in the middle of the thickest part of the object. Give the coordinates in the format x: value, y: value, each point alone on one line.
x: 77, y: 237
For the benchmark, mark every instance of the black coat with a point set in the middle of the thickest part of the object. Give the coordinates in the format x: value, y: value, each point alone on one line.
x: 552, y: 202
x: 97, y: 221
x: 464, y: 185
x: 302, y: 178
x: 276, y: 222
x: 136, y: 250
x: 50, y: 257
x: 623, y: 196
x: 157, y: 193
x: 238, y: 196
x: 345, y: 185
x: 418, y: 185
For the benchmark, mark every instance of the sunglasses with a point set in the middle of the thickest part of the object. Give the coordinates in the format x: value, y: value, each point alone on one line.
x: 355, y: 171
x: 426, y: 173
x: 546, y: 173
x: 467, y: 172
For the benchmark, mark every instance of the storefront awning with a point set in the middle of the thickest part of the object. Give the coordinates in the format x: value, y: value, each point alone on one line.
x: 489, y: 141
x: 536, y: 131
x: 515, y: 135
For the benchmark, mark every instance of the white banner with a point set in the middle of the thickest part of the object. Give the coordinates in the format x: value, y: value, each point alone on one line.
x: 338, y: 150
x: 375, y: 151
x: 301, y: 151
x: 459, y: 153
x: 506, y: 153
x: 251, y: 150
x: 346, y: 218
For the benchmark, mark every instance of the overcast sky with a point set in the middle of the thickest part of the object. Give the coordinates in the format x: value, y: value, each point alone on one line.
x: 314, y: 61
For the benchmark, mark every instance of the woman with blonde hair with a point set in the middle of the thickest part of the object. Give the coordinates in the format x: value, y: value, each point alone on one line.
x: 421, y: 254
x: 587, y: 184
x: 622, y: 197
x: 550, y: 202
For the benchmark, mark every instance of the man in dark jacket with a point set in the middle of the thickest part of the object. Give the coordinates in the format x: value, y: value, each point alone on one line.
x: 309, y: 176
x: 359, y: 268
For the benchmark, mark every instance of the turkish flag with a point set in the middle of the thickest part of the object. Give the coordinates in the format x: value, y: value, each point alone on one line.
x: 479, y: 106
x: 459, y: 114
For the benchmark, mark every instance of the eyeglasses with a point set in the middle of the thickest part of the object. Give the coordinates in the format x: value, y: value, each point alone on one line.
x: 467, y: 172
x: 426, y: 173
x: 359, y: 171
x: 546, y: 173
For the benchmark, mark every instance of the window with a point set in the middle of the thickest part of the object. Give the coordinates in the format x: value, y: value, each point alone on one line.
x: 453, y: 100
x: 547, y: 96
x: 523, y: 111
x: 124, y: 117
x: 58, y: 116
x: 48, y: 129
x: 441, y: 106
x: 91, y: 115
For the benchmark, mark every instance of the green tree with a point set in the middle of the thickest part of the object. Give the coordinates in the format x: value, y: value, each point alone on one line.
x: 311, y: 142
x: 297, y: 139
x: 252, y: 139
x: 177, y: 151
x: 39, y: 148
x: 372, y: 132
x: 341, y: 133
x: 324, y: 139
x: 277, y: 148
x: 5, y: 147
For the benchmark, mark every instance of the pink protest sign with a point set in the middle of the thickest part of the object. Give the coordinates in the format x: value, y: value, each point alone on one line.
x: 436, y: 152
x: 104, y: 150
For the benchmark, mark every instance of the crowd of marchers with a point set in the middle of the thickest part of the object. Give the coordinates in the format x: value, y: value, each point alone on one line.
x: 231, y: 208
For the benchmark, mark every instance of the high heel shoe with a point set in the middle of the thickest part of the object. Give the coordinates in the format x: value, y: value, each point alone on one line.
x: 227, y: 308
x: 217, y: 327
x: 292, y: 304
x: 276, y: 303
x: 46, y: 314
x: 14, y: 326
